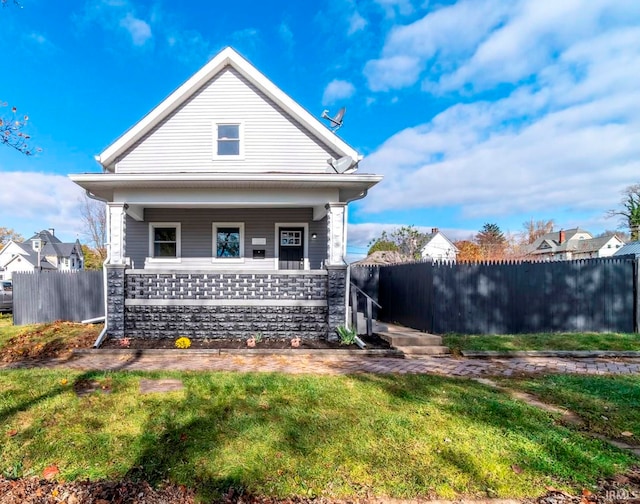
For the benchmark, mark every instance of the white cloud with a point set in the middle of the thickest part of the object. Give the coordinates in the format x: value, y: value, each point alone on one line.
x: 285, y: 34
x: 440, y: 38
x: 395, y: 7
x: 32, y: 201
x: 118, y: 16
x: 337, y: 90
x: 394, y: 72
x: 356, y: 23
x: 139, y: 30
x: 565, y: 140
x: 152, y: 26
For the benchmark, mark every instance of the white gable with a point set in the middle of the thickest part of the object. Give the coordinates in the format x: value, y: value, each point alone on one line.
x: 272, y: 141
x: 439, y: 248
x: 9, y: 251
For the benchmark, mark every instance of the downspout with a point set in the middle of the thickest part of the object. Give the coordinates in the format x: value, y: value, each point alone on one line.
x: 348, y: 286
x: 103, y: 333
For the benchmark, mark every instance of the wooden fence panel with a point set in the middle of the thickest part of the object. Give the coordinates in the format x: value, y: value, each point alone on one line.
x: 510, y: 298
x: 48, y: 296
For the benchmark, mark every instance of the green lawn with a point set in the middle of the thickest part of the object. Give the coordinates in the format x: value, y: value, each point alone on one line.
x: 543, y: 341
x: 7, y: 329
x: 284, y: 436
x: 608, y: 405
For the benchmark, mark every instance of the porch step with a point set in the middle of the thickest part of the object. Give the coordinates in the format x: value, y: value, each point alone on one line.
x: 424, y: 350
x: 410, y: 341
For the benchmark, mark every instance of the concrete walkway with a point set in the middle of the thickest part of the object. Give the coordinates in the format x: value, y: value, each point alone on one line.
x: 310, y: 364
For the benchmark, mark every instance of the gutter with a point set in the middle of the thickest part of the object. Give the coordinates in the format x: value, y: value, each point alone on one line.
x: 348, y: 283
x: 103, y: 333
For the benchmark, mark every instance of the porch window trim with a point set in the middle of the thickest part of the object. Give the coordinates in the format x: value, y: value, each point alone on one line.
x: 305, y: 245
x: 241, y: 141
x: 177, y: 225
x: 214, y: 243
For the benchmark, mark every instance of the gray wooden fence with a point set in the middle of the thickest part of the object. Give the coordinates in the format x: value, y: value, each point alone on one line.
x: 509, y: 298
x: 49, y: 296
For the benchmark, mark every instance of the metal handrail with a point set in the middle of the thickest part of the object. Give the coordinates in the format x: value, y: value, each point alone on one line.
x: 368, y: 311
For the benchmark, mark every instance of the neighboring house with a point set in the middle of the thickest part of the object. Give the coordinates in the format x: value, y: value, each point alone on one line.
x: 227, y: 213
x: 54, y: 255
x: 573, y: 244
x: 631, y: 248
x: 439, y: 247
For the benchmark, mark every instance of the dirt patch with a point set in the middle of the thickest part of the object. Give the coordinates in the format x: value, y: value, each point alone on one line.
x: 373, y: 343
x: 620, y: 488
x: 167, y: 385
x: 47, y: 341
x: 35, y: 491
x: 86, y: 387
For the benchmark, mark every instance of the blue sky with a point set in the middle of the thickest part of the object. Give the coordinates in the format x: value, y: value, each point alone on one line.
x: 475, y: 111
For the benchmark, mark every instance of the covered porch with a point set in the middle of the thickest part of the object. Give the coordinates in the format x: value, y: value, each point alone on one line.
x: 215, y: 256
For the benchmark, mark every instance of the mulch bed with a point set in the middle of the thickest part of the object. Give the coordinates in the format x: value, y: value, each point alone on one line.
x: 621, y: 488
x: 373, y: 343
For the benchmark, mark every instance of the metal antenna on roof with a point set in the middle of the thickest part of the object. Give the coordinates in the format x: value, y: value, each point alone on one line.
x: 336, y: 121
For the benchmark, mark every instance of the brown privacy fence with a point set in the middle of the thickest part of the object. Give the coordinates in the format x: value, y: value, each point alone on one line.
x: 596, y: 295
x: 49, y: 296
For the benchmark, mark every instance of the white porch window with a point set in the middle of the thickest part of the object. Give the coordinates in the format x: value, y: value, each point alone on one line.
x: 228, y: 241
x: 164, y: 240
x: 228, y: 141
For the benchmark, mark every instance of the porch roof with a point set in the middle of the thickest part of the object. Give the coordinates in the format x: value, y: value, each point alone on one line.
x: 105, y: 185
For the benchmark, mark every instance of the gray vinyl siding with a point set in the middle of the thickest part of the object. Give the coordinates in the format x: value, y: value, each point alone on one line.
x: 197, y: 232
x: 273, y: 141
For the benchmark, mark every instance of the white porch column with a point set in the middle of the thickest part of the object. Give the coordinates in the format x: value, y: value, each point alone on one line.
x: 336, y: 234
x: 117, y: 228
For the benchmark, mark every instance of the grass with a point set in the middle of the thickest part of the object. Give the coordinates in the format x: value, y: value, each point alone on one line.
x: 285, y: 436
x: 608, y: 405
x: 543, y: 341
x: 43, y: 340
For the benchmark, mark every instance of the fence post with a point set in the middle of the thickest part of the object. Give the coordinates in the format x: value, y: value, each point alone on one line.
x: 636, y: 303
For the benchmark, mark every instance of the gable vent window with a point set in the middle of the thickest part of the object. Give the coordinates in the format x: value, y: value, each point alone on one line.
x: 228, y: 140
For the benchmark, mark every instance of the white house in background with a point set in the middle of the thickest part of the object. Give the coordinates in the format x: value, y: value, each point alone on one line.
x: 227, y: 212
x: 54, y: 255
x: 573, y: 244
x: 439, y: 247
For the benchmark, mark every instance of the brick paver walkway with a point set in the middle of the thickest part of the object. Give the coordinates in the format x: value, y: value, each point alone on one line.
x: 309, y: 364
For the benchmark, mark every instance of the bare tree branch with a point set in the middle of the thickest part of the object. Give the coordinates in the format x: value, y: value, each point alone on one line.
x: 12, y: 132
x: 94, y: 220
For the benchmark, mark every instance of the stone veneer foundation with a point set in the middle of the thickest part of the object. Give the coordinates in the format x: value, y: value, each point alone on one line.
x: 205, y: 304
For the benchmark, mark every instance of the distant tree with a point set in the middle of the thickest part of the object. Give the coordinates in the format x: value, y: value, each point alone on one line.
x: 492, y: 241
x: 382, y: 244
x: 8, y: 234
x: 92, y: 260
x: 407, y: 240
x: 468, y: 251
x: 94, y: 222
x: 535, y: 229
x: 630, y: 211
